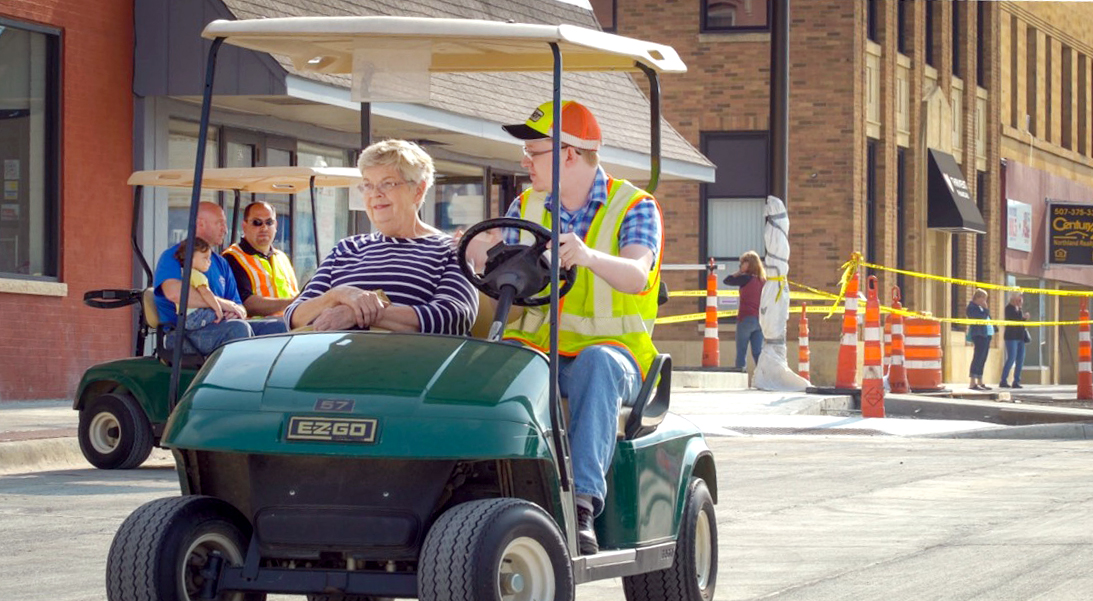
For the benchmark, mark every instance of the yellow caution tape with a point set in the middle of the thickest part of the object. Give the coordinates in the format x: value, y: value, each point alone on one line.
x: 983, y: 285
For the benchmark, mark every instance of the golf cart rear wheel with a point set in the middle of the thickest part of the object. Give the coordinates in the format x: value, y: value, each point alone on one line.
x: 693, y: 575
x: 160, y: 549
x: 114, y: 433
x: 495, y: 550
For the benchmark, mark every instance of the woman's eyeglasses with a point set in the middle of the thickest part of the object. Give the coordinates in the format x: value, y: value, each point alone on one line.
x: 368, y: 188
x: 259, y: 223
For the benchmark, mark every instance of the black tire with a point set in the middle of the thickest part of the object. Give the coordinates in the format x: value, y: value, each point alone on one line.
x: 114, y: 432
x: 693, y: 575
x: 159, y: 549
x: 478, y: 547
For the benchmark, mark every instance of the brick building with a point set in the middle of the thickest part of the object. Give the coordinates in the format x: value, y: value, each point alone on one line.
x: 66, y: 144
x: 881, y: 93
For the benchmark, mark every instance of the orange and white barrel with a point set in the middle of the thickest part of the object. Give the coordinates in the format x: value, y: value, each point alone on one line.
x: 922, y: 358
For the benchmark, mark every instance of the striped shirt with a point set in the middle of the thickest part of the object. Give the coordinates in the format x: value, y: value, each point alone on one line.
x: 422, y: 273
x: 640, y: 226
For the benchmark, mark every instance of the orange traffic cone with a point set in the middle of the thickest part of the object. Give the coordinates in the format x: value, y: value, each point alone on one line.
x: 872, y: 386
x: 802, y: 343
x: 897, y: 372
x: 1085, y: 356
x: 711, y: 352
x: 846, y: 374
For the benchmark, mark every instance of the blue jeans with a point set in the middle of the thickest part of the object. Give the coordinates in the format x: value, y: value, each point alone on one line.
x: 268, y: 325
x: 597, y: 382
x: 1015, y: 358
x: 748, y: 330
x: 203, y: 335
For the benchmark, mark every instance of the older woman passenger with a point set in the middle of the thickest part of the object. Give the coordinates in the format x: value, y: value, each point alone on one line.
x: 403, y: 277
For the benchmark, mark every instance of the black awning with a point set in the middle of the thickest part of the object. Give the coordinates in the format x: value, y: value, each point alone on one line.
x: 951, y: 207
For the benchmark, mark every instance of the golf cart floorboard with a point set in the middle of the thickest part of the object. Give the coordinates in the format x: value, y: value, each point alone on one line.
x: 624, y: 562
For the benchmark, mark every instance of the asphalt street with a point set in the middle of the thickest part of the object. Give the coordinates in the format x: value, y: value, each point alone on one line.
x: 816, y: 517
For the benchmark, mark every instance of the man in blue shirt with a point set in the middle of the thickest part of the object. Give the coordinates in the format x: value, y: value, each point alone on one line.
x: 212, y: 226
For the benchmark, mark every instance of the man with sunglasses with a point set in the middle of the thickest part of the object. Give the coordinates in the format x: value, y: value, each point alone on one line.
x: 612, y: 232
x: 267, y: 283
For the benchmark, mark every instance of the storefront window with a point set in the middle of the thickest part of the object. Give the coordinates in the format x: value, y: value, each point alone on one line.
x: 181, y: 153
x: 29, y: 150
x: 331, y: 204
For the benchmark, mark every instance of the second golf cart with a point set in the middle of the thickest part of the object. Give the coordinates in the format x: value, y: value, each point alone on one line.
x: 124, y: 404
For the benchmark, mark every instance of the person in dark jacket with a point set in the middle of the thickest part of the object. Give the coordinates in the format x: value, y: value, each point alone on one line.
x: 980, y: 335
x: 750, y: 278
x: 1015, y: 337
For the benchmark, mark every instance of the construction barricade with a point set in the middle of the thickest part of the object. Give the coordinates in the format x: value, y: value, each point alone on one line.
x: 803, y: 356
x: 894, y: 353
x: 922, y: 354
x: 711, y: 345
x: 1085, y: 356
x: 872, y: 387
x: 846, y: 374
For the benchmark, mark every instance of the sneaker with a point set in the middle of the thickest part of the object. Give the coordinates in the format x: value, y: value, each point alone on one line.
x: 975, y: 387
x: 1016, y: 385
x: 586, y: 532
x: 982, y: 387
x: 1003, y: 385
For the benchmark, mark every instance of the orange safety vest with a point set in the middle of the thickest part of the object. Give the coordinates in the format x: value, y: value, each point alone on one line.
x: 271, y: 278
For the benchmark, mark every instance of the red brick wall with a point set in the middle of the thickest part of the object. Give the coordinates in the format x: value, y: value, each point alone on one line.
x: 726, y: 88
x: 47, y: 342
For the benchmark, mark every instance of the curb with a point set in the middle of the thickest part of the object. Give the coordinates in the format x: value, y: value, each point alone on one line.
x: 39, y: 454
x: 1067, y: 431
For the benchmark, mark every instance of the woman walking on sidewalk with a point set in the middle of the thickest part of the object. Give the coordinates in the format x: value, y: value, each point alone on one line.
x: 1015, y: 337
x: 980, y: 336
x: 750, y: 278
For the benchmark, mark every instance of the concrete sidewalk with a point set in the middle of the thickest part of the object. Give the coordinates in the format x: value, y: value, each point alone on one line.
x: 37, y: 435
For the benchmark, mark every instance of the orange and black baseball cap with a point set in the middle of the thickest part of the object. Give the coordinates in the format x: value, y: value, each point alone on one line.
x: 579, y: 127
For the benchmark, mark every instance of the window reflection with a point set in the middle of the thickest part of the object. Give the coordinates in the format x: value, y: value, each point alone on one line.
x: 736, y: 14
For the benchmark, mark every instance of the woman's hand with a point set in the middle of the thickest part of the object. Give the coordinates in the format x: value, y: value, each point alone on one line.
x: 366, y: 307
x: 232, y: 310
x: 339, y: 317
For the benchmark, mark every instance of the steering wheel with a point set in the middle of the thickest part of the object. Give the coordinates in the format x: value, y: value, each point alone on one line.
x: 520, y: 266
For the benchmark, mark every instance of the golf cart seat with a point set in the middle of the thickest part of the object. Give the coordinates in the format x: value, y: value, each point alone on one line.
x: 164, y: 354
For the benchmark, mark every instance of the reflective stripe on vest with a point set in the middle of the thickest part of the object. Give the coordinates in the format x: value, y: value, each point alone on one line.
x: 593, y: 312
x: 272, y: 278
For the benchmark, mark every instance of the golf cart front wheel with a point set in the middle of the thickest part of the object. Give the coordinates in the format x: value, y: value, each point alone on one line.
x: 161, y: 549
x: 693, y: 575
x: 495, y: 550
x: 114, y: 433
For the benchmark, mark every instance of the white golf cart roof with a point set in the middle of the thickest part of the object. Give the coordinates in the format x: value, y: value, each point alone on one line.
x: 327, y: 44
x: 262, y: 180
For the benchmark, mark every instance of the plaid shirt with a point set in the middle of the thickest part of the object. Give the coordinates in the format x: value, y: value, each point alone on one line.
x: 640, y: 226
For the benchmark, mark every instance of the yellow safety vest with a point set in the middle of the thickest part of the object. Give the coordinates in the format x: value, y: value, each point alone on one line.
x: 593, y: 312
x: 271, y: 278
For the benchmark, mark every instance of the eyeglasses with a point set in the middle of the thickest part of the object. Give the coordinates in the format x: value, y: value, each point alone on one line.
x: 531, y: 154
x: 368, y: 188
x: 259, y: 223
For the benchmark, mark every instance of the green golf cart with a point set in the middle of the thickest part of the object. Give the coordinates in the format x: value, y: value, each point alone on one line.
x: 364, y: 465
x: 123, y: 404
